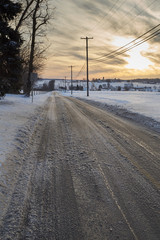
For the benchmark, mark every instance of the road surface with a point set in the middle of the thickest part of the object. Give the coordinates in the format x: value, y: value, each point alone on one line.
x: 84, y: 174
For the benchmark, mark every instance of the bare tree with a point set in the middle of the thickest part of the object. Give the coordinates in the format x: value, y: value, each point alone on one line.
x: 35, y: 16
x: 40, y: 18
x: 38, y: 63
x: 26, y: 13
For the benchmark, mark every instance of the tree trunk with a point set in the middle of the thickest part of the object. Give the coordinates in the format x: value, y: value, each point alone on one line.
x: 30, y: 69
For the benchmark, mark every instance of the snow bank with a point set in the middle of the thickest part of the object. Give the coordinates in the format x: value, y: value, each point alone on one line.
x: 15, y: 111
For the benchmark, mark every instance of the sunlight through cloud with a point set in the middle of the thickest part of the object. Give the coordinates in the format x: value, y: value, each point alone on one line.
x: 135, y: 58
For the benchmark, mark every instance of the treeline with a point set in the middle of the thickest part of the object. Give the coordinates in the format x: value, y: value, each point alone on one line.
x: 22, y: 42
x: 140, y: 80
x: 147, y: 80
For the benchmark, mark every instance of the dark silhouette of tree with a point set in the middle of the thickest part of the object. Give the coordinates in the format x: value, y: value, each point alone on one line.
x: 35, y: 16
x: 51, y: 85
x: 10, y: 42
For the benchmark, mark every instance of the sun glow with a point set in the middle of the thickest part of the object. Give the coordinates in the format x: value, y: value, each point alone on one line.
x: 135, y: 60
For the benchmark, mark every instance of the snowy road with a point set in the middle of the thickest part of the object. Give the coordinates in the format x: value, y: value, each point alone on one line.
x: 83, y: 174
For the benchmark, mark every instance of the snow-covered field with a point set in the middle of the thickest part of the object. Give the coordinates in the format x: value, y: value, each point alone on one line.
x: 15, y: 111
x: 145, y: 103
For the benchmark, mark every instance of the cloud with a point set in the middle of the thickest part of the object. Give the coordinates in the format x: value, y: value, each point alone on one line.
x: 88, y: 6
x: 104, y: 20
x: 153, y: 57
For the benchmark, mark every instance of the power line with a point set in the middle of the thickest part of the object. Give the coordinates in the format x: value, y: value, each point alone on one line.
x: 110, y: 16
x: 134, y: 16
x: 105, y: 55
x: 142, y: 41
x: 126, y: 50
x: 80, y: 71
x: 117, y: 8
x: 131, y: 20
x: 95, y: 27
x: 133, y: 44
x: 137, y: 44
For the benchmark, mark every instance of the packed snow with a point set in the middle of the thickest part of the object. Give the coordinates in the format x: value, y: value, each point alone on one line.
x: 16, y: 110
x: 145, y: 103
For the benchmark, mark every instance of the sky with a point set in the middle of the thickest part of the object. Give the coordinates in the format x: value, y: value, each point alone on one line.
x: 112, y: 24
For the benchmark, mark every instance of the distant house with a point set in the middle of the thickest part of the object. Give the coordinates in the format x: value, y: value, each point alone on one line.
x: 128, y: 86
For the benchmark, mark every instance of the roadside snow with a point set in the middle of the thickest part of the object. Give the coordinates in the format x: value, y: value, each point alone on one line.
x: 15, y: 111
x: 145, y: 103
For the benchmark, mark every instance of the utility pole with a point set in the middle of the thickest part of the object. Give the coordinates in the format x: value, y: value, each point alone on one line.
x: 65, y: 83
x: 71, y: 79
x: 87, y: 38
